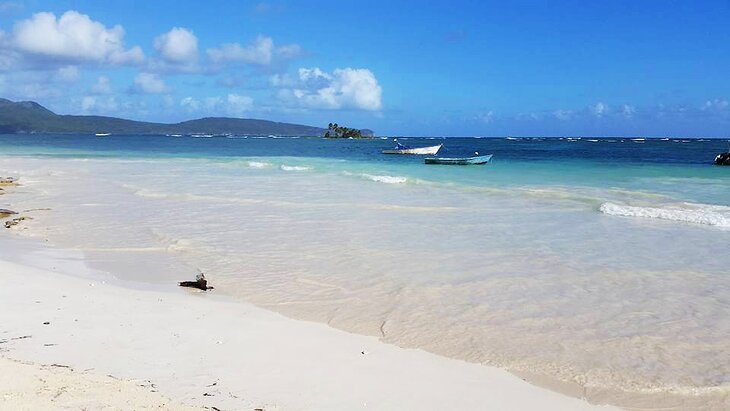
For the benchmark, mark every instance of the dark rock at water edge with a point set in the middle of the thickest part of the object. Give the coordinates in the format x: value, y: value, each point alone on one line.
x: 723, y: 159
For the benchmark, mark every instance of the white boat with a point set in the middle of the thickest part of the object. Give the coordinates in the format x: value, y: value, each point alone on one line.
x: 401, y: 149
x: 102, y: 134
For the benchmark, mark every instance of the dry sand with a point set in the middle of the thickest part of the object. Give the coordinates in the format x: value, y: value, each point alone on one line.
x: 133, y: 346
x: 32, y: 387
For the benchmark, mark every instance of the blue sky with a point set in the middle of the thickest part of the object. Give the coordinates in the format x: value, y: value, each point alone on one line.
x: 456, y: 68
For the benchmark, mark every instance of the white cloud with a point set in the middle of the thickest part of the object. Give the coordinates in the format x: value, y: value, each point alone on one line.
x: 149, y: 83
x: 68, y: 74
x: 178, y: 45
x: 73, y: 37
x: 716, y: 105
x: 343, y: 88
x: 102, y: 86
x: 599, y: 109
x: 627, y: 111
x: 261, y: 51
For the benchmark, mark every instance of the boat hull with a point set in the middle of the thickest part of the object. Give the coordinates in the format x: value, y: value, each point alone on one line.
x: 417, y: 150
x: 464, y: 161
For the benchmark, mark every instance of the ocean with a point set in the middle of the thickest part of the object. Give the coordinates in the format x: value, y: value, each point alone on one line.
x: 601, y: 262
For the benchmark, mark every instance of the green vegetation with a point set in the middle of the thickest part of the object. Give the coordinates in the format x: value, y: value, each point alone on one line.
x: 31, y: 117
x: 336, y: 131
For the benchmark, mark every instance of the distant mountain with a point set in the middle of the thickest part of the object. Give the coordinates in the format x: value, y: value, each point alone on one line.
x: 31, y: 117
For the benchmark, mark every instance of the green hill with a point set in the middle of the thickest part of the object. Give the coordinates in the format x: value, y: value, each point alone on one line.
x: 31, y: 117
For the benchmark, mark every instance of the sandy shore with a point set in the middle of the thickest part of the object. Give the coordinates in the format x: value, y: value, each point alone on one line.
x: 25, y: 386
x: 131, y: 346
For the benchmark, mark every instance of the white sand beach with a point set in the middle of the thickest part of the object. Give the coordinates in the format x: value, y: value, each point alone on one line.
x: 101, y: 344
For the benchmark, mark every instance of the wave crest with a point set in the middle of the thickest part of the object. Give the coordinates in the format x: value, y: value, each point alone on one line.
x: 293, y: 168
x: 705, y: 214
x: 386, y: 179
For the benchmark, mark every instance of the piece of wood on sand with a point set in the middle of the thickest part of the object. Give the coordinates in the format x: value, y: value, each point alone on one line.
x: 200, y: 283
x: 6, y: 213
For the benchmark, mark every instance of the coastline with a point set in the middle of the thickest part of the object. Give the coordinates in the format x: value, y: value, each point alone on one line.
x: 206, y: 350
x: 151, y: 266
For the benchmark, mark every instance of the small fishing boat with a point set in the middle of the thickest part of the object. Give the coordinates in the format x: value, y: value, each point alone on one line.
x: 460, y: 161
x: 401, y: 149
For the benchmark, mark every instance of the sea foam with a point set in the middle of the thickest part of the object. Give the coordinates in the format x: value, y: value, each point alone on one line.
x: 706, y: 214
x: 293, y: 168
x: 257, y: 164
x: 386, y: 179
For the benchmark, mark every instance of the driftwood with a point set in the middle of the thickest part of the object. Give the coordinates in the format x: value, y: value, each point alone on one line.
x: 6, y: 213
x: 200, y: 283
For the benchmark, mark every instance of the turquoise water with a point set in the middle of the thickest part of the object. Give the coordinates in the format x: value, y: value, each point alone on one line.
x: 680, y: 168
x: 579, y: 260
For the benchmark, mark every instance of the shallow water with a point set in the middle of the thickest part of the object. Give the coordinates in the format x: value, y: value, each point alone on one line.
x: 602, y: 263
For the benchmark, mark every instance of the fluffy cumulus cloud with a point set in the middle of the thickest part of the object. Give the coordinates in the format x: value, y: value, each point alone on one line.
x: 149, y: 83
x: 72, y: 37
x: 178, y: 45
x: 343, y: 88
x: 261, y: 51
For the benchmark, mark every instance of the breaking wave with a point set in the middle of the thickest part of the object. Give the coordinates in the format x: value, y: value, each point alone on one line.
x: 293, y: 168
x: 386, y: 179
x: 705, y: 214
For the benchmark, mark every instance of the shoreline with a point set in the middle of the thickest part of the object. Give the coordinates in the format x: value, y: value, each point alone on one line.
x: 76, y: 264
x: 207, y: 350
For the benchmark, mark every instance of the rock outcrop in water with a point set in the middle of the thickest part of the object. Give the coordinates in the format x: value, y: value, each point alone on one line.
x: 723, y: 159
